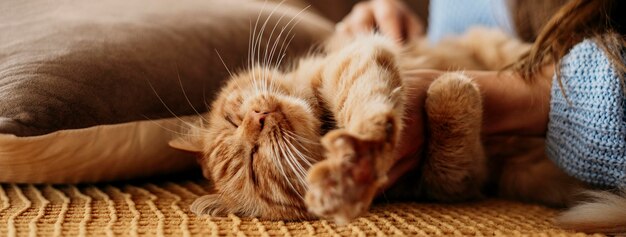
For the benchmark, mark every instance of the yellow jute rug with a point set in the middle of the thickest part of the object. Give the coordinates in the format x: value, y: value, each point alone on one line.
x: 161, y: 209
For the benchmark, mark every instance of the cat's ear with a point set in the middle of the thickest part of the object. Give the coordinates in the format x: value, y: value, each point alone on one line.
x: 185, y: 143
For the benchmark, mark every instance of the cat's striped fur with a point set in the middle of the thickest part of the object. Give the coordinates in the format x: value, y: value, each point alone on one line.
x: 266, y: 131
x: 318, y: 140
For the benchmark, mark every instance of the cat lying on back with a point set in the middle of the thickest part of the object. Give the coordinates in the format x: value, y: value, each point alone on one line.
x: 318, y: 140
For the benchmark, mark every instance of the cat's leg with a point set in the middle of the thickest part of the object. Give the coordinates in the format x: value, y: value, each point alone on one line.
x: 361, y: 86
x: 455, y: 167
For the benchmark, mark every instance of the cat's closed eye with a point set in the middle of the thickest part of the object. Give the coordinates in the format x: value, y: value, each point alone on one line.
x: 230, y: 120
x: 253, y: 154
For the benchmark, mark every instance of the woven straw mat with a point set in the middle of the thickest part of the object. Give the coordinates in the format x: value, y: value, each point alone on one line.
x: 161, y: 209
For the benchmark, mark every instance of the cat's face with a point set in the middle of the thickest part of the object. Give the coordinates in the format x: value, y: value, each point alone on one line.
x: 262, y: 136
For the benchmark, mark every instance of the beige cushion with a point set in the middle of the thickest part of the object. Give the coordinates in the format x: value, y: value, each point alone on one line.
x: 99, y: 153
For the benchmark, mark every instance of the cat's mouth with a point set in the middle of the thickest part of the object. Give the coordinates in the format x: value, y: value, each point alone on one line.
x: 262, y: 123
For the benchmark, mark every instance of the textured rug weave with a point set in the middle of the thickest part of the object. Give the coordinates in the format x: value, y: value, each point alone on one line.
x: 161, y: 209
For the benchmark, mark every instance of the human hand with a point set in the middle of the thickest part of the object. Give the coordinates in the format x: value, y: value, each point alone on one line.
x: 390, y: 17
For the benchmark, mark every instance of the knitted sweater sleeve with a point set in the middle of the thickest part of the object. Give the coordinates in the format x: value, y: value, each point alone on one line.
x: 587, y: 130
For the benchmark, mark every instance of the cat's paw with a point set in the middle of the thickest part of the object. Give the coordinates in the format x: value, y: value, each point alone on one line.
x: 208, y: 205
x: 378, y: 128
x: 343, y: 186
x: 455, y: 168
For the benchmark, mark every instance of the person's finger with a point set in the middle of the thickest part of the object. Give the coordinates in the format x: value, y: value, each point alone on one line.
x: 360, y: 19
x: 388, y: 18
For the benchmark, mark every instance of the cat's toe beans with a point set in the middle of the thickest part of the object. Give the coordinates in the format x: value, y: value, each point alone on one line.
x: 339, y: 144
x: 324, y: 194
x: 343, y: 186
x: 340, y: 189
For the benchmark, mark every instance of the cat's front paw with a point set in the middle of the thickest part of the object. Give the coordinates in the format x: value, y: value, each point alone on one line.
x: 343, y: 186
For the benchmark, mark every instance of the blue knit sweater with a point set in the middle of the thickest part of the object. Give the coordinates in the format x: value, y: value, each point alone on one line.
x: 586, y: 134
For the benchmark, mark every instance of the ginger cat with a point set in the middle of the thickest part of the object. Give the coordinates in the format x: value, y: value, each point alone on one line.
x: 318, y: 140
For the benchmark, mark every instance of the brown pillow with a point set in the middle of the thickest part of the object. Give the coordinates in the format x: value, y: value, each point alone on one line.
x: 73, y: 64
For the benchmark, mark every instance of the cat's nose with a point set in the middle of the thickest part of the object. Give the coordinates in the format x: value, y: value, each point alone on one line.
x: 259, y: 116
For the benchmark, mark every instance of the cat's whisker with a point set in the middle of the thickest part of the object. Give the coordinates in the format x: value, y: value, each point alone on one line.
x: 250, y: 45
x: 183, y: 129
x: 185, y: 134
x: 267, y: 56
x: 271, y: 86
x: 288, y: 142
x: 223, y: 63
x: 204, y: 100
x: 256, y: 36
x: 274, y: 156
x: 297, y: 152
x: 295, y: 142
x: 260, y: 37
x: 237, y: 83
x: 296, y: 167
x: 252, y: 38
x: 271, y: 55
x: 293, y: 135
x: 307, y: 159
x: 287, y: 156
x: 276, y: 149
x: 302, y: 157
x: 283, y: 49
x: 282, y: 150
x: 254, y: 83
x: 182, y: 88
x: 166, y: 106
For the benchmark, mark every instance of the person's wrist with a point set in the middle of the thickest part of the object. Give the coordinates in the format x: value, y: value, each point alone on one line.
x: 512, y: 105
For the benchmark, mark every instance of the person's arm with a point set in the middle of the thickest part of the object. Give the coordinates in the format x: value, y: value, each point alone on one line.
x: 511, y: 106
